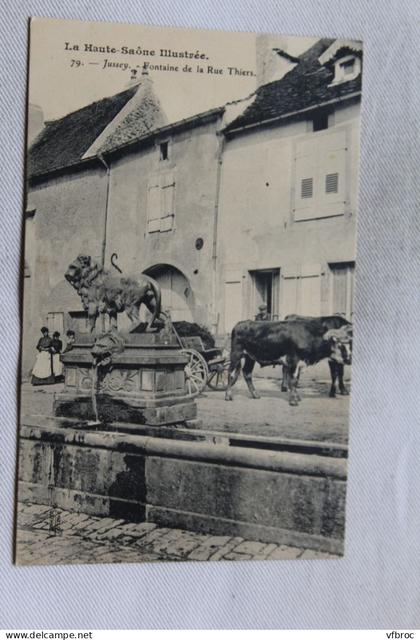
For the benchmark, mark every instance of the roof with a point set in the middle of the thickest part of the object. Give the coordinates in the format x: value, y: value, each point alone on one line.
x: 63, y: 142
x: 110, y: 125
x: 160, y: 131
x: 145, y: 116
x: 340, y: 47
x: 305, y: 86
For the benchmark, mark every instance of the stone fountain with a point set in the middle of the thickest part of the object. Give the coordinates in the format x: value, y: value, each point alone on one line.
x: 135, y: 377
x: 124, y: 440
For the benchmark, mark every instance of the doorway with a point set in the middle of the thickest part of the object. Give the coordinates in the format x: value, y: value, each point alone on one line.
x: 177, y: 295
x: 265, y: 290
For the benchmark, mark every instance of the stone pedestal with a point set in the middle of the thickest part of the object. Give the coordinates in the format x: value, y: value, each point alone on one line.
x: 145, y: 384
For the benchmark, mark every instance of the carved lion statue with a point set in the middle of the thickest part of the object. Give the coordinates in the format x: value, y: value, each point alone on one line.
x: 103, y: 292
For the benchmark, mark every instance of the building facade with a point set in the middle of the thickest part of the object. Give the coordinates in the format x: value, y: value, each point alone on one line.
x: 253, y: 202
x: 288, y: 199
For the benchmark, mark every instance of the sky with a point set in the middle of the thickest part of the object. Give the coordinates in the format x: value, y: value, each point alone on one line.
x: 66, y: 72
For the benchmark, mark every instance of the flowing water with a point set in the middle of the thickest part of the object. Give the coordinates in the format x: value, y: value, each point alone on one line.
x: 95, y: 393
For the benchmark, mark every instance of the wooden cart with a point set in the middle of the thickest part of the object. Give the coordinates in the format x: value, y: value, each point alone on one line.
x: 205, y: 366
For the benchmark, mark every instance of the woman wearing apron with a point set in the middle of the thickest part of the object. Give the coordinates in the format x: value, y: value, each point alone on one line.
x: 42, y: 372
x: 57, y: 346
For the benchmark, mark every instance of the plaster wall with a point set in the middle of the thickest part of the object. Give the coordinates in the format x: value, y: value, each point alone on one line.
x: 257, y: 229
x: 193, y: 160
x: 68, y: 221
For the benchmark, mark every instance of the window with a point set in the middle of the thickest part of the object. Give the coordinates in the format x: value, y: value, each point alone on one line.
x: 164, y: 150
x: 161, y: 203
x: 320, y: 171
x: 265, y: 290
x: 347, y: 68
x: 320, y: 121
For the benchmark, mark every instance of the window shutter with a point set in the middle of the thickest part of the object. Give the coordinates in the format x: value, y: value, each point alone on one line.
x: 307, y: 188
x: 332, y: 162
x: 331, y: 183
x: 288, y: 292
x: 55, y: 322
x: 342, y: 288
x: 168, y: 201
x: 320, y: 171
x: 305, y: 194
x: 153, y: 205
x: 233, y: 304
x: 310, y: 290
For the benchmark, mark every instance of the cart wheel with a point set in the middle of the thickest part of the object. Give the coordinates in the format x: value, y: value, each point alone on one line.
x: 196, y: 372
x: 218, y: 378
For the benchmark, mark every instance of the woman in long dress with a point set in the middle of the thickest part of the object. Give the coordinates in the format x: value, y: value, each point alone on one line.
x: 42, y: 372
x: 57, y: 346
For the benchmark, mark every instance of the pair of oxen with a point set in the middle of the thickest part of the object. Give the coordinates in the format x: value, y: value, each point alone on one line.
x: 293, y: 342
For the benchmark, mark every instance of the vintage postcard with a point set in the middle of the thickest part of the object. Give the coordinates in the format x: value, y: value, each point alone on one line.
x: 190, y: 227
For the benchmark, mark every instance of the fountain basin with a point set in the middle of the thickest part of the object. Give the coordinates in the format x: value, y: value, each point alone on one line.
x: 145, y: 384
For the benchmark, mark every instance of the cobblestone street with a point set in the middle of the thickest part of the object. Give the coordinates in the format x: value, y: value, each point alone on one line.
x: 64, y: 537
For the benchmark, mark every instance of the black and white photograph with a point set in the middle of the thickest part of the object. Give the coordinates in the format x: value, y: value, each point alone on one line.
x: 189, y: 275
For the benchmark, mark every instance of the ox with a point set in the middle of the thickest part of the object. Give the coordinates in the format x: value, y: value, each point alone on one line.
x: 288, y: 343
x: 336, y: 368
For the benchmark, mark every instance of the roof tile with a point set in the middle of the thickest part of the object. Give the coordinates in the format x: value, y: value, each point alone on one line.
x: 305, y: 86
x: 63, y: 142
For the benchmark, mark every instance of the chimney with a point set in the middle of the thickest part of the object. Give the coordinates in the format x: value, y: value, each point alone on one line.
x: 136, y: 78
x: 35, y: 122
x: 272, y: 64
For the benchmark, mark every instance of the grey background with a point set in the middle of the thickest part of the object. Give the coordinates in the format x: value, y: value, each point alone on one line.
x: 378, y: 583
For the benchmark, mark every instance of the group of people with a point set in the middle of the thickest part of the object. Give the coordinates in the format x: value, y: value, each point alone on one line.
x: 48, y: 367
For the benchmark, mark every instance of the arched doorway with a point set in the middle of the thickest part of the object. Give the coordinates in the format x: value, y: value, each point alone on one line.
x: 177, y: 295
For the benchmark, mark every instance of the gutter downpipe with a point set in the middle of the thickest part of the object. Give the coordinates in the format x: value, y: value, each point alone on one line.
x: 104, y: 235
x: 220, y: 150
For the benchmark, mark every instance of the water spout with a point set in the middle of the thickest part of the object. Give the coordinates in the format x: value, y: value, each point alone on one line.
x: 96, y: 421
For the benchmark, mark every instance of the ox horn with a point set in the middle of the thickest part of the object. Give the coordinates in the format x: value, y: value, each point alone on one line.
x: 331, y: 334
x: 338, y: 335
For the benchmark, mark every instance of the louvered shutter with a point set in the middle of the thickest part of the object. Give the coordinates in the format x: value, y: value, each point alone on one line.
x: 305, y: 181
x: 332, y: 163
x: 320, y: 176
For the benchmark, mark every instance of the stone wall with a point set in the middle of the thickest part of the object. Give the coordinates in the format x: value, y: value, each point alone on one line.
x: 68, y: 220
x: 271, y: 496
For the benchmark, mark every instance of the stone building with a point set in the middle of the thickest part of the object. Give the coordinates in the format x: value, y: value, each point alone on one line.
x: 254, y: 201
x: 288, y: 198
x: 113, y: 177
